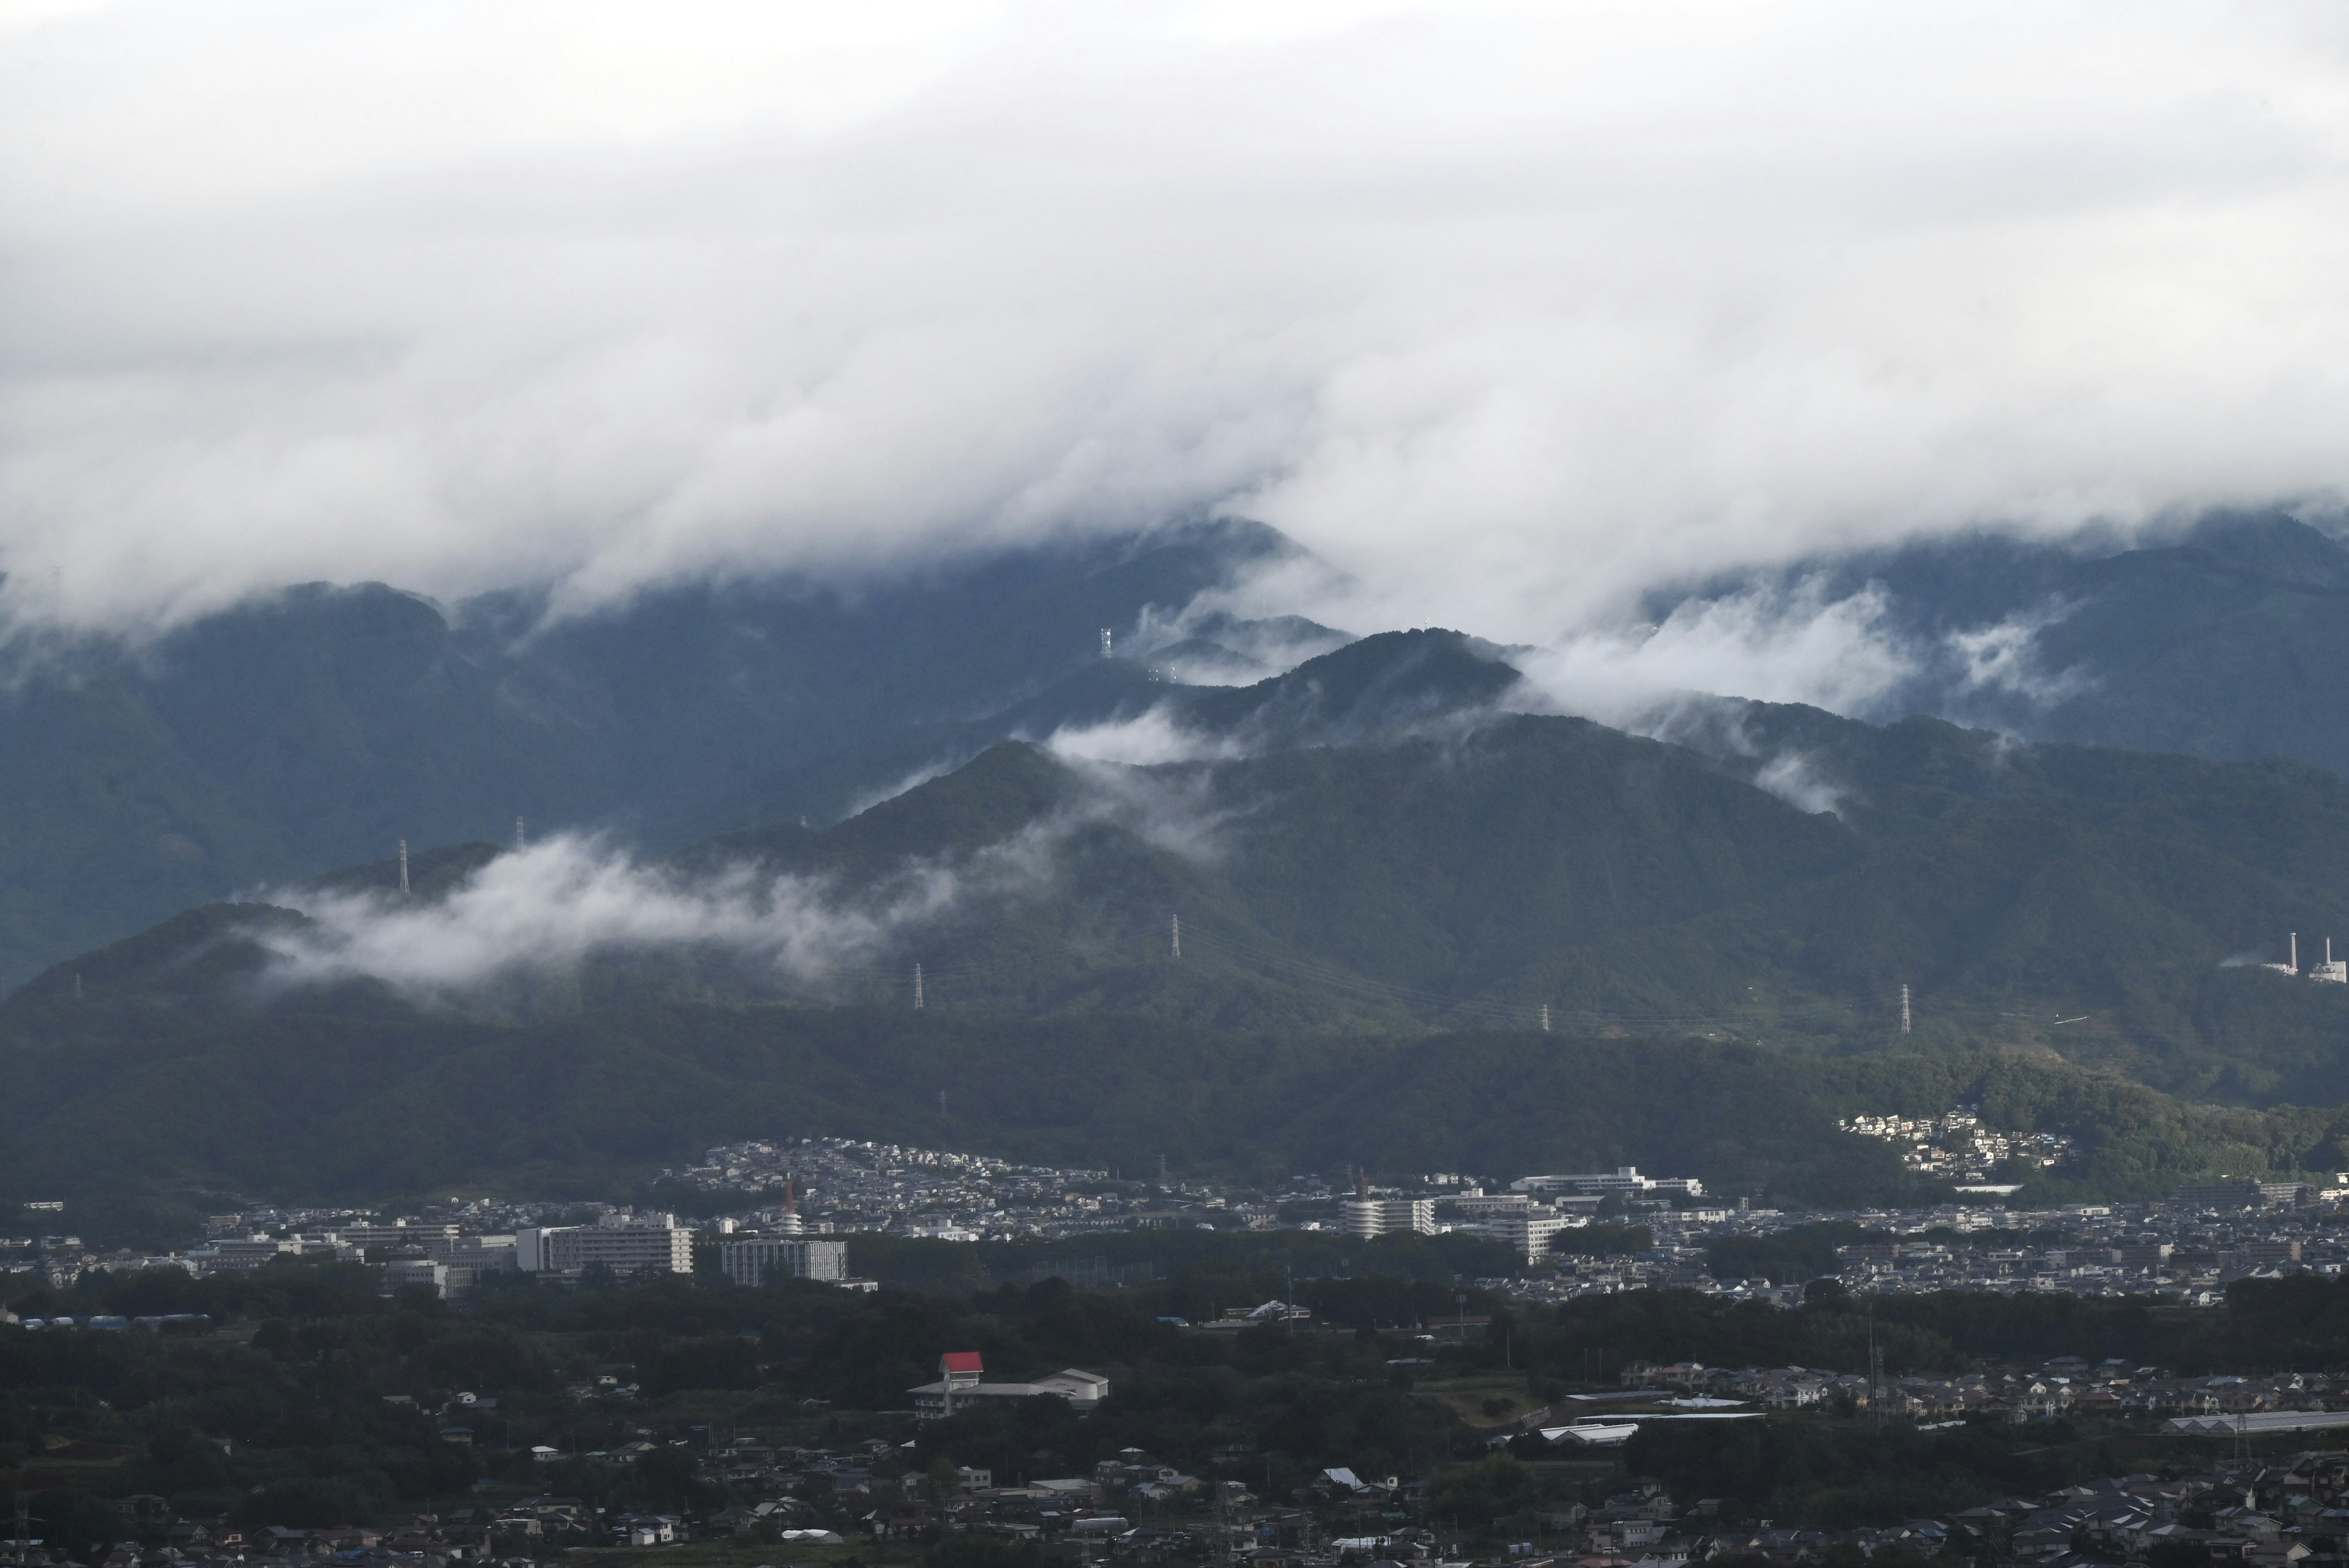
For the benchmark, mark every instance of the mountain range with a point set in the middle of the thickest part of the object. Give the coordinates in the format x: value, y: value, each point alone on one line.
x: 1319, y: 896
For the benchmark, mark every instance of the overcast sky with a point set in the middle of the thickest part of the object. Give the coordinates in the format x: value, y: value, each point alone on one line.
x: 1507, y: 310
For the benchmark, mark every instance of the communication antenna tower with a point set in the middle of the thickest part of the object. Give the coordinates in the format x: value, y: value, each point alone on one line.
x: 522, y: 839
x: 1174, y: 937
x: 917, y: 988
x: 1108, y: 644
x: 1904, y: 1009
x: 1545, y: 1017
x: 1875, y: 1370
x: 403, y: 866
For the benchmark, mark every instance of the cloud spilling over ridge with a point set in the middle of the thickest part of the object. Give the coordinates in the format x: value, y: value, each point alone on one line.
x: 1510, y: 310
x: 567, y: 899
x: 553, y: 905
x: 1774, y: 645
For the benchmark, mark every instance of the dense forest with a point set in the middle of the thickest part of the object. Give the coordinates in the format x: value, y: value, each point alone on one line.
x: 371, y: 1105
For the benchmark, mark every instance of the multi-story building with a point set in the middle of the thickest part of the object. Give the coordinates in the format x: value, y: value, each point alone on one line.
x: 378, y: 1238
x: 623, y: 1243
x: 1624, y: 1180
x: 1528, y: 1231
x: 402, y: 1272
x: 476, y: 1252
x: 962, y: 1381
x: 1365, y: 1217
x: 756, y: 1260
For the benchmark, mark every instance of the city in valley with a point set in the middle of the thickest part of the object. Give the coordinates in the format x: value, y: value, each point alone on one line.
x: 1545, y: 1367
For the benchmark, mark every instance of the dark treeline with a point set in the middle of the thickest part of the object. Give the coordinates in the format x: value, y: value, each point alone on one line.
x: 1247, y: 1259
x: 2301, y: 1322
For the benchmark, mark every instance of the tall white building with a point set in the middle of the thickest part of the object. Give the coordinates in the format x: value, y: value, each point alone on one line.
x: 1366, y: 1217
x: 624, y: 1244
x: 1529, y: 1231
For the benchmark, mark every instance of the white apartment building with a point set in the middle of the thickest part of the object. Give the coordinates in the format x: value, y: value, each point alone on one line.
x: 624, y: 1244
x: 1366, y: 1217
x: 1529, y: 1231
x: 1624, y: 1180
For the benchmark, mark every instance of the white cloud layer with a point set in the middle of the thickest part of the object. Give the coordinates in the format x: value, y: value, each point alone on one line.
x: 1509, y: 309
x: 567, y: 898
x: 556, y: 904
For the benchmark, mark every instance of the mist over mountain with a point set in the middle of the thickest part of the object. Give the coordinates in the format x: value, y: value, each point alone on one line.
x: 318, y: 727
x: 1396, y: 898
x: 2228, y: 640
x: 772, y: 800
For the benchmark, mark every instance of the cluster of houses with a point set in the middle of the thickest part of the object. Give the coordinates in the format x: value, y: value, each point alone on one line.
x: 843, y: 1187
x: 1956, y: 1147
x: 2269, y: 1514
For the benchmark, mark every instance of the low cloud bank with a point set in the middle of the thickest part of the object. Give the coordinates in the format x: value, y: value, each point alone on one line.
x: 553, y: 905
x: 568, y: 899
x: 1510, y: 310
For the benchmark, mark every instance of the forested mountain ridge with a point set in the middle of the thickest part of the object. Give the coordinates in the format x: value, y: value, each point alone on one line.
x: 1499, y: 863
x: 1371, y: 931
x: 318, y: 727
x: 1389, y: 867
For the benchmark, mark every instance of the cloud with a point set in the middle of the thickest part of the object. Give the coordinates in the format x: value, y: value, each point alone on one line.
x: 1510, y: 310
x: 1152, y: 738
x: 1794, y: 778
x: 552, y: 906
x: 1770, y: 643
x: 2004, y: 657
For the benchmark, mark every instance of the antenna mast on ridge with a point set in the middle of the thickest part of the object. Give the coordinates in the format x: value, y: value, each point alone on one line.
x: 1175, y: 937
x: 403, y: 866
x: 917, y: 988
x: 1108, y: 644
x: 522, y: 839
